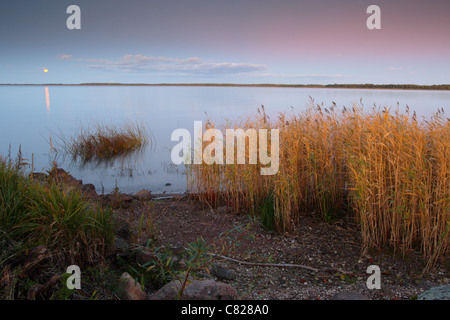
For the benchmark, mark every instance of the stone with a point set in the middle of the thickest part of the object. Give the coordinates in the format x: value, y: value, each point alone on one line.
x: 124, y: 200
x: 196, y: 290
x: 143, y: 195
x: 349, y: 296
x: 89, y: 190
x: 124, y: 230
x: 129, y: 289
x: 39, y: 176
x: 121, y: 244
x: 61, y: 175
x: 436, y: 293
x: 221, y: 272
x: 145, y: 255
x: 117, y: 200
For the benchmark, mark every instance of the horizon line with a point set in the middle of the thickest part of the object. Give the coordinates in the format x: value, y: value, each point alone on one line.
x: 335, y: 85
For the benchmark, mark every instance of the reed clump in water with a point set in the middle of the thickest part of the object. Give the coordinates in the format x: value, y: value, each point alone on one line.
x: 387, y: 169
x: 103, y: 142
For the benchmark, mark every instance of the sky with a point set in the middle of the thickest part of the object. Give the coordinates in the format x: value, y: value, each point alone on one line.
x: 225, y: 41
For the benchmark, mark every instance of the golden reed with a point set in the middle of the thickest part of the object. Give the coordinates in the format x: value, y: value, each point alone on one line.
x: 388, y: 169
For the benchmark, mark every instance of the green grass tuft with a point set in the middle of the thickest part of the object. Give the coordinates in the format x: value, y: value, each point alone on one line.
x: 32, y: 214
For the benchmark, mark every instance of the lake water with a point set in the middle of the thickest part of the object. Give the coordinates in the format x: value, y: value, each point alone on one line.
x: 29, y: 115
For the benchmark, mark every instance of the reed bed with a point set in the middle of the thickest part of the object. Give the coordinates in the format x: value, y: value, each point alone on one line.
x: 102, y: 142
x: 386, y: 168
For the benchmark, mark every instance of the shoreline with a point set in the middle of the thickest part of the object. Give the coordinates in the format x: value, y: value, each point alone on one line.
x: 437, y: 87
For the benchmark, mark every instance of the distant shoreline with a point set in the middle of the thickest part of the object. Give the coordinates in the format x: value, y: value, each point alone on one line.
x: 444, y: 87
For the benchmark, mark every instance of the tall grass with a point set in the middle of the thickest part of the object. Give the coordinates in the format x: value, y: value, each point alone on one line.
x: 68, y: 224
x: 388, y: 169
x: 32, y: 213
x: 400, y: 174
x: 102, y: 141
x: 13, y: 201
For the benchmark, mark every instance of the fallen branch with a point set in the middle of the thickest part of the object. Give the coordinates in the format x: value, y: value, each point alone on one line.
x: 279, y: 265
x: 260, y: 264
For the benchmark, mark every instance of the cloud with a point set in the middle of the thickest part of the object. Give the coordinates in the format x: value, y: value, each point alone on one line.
x: 317, y: 76
x: 394, y: 69
x: 192, y: 65
x: 65, y: 57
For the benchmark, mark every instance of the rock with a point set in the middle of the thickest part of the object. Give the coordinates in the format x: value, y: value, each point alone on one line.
x: 62, y: 176
x: 89, y: 190
x: 39, y: 176
x: 349, y: 296
x: 202, y: 274
x: 196, y: 290
x: 123, y: 197
x: 118, y: 200
x: 124, y: 230
x: 145, y: 255
x: 129, y: 289
x: 436, y: 293
x: 121, y: 244
x: 221, y: 272
x: 124, y: 200
x: 143, y: 195
x: 168, y: 184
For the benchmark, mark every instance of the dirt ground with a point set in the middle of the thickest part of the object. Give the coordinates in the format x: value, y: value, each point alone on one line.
x: 334, y: 249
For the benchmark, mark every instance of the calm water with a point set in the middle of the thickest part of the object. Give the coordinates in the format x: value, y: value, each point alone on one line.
x: 29, y: 115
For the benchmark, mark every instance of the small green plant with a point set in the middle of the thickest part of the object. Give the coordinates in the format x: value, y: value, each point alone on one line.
x: 164, y: 266
x: 267, y: 216
x: 63, y: 293
x: 235, y: 235
x: 347, y: 279
x: 146, y: 226
x: 99, y: 282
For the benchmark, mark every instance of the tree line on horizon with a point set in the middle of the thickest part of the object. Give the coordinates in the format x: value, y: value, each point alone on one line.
x: 346, y: 86
x: 335, y: 85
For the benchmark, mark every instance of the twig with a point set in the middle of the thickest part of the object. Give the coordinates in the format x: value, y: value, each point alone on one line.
x: 279, y: 265
x: 171, y: 204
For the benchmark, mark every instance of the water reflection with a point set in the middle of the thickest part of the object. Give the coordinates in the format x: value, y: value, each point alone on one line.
x: 47, y: 99
x: 171, y: 168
